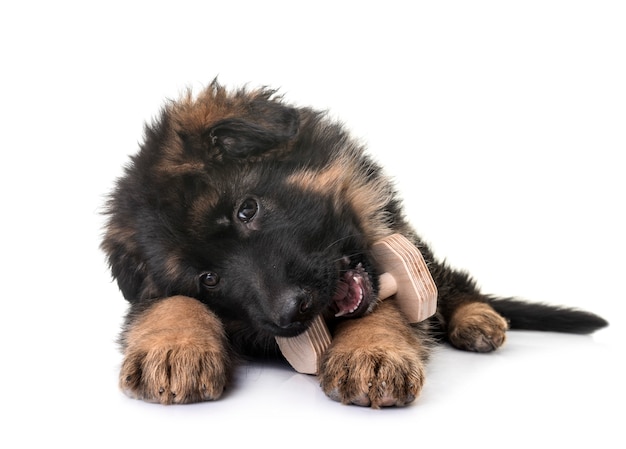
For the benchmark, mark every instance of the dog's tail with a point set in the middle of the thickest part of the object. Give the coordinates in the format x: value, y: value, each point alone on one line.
x: 525, y: 315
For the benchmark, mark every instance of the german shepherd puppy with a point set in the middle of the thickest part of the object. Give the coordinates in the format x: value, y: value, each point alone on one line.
x: 242, y: 218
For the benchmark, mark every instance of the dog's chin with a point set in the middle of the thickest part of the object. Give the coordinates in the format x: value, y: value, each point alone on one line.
x: 293, y: 330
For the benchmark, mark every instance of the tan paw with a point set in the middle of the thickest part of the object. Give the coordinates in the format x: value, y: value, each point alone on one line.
x: 175, y: 353
x: 375, y: 377
x: 377, y: 360
x: 477, y: 327
x: 174, y: 374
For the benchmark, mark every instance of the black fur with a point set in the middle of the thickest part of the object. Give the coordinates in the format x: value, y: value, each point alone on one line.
x: 546, y: 317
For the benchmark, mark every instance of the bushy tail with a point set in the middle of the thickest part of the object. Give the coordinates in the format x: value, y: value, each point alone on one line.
x: 545, y: 317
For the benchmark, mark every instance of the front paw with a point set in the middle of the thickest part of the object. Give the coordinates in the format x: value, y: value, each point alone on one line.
x: 377, y: 360
x: 376, y: 377
x: 174, y: 373
x: 175, y: 352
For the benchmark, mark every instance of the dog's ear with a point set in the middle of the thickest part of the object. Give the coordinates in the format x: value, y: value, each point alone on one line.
x: 127, y: 270
x: 127, y: 265
x: 265, y: 126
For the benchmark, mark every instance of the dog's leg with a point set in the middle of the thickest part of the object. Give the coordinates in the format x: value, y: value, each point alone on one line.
x: 175, y: 352
x: 464, y: 313
x: 376, y: 361
x: 474, y: 325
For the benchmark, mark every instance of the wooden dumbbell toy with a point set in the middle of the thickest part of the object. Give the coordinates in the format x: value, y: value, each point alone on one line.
x: 405, y: 275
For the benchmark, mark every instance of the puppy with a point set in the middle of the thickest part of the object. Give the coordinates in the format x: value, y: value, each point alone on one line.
x: 243, y: 218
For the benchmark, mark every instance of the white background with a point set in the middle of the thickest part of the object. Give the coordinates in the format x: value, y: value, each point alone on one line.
x: 503, y: 123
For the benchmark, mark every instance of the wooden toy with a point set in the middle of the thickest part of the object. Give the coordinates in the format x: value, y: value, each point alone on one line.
x: 405, y: 275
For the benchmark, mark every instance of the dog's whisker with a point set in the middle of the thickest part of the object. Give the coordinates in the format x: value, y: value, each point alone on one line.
x: 349, y: 256
x: 339, y: 240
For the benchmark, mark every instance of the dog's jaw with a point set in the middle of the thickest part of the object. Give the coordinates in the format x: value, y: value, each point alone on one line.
x: 354, y: 293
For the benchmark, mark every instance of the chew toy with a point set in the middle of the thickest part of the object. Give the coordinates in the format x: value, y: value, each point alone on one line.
x: 405, y: 275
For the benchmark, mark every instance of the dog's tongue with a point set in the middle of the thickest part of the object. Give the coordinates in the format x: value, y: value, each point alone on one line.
x: 349, y: 293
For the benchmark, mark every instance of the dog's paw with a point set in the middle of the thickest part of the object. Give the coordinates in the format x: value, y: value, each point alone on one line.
x: 176, y: 352
x: 375, y: 377
x: 377, y: 360
x: 477, y: 327
x: 174, y: 374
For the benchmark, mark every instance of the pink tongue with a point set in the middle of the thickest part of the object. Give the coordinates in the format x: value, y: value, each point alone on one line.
x: 349, y: 294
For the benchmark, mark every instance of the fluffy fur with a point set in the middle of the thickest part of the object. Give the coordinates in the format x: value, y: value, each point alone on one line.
x: 242, y: 218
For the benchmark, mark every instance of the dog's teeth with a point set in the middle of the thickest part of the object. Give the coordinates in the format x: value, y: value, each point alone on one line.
x: 358, y: 302
x: 353, y: 290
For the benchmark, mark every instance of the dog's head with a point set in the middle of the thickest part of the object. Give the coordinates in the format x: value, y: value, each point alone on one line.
x: 260, y: 210
x: 276, y: 257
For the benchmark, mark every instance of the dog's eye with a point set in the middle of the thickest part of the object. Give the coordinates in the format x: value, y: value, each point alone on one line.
x: 248, y: 210
x: 209, y: 279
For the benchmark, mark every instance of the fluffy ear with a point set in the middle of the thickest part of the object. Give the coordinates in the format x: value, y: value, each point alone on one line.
x: 266, y: 126
x: 129, y: 272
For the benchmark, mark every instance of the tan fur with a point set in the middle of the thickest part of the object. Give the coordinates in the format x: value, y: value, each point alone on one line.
x: 193, y: 114
x: 176, y: 353
x: 346, y: 183
x: 202, y: 206
x: 475, y: 326
x: 173, y: 264
x: 376, y: 360
x: 119, y: 234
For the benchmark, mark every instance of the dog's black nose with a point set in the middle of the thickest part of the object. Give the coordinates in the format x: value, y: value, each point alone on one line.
x: 295, y: 307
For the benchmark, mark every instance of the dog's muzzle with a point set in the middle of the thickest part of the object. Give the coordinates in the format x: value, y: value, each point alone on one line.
x: 296, y: 310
